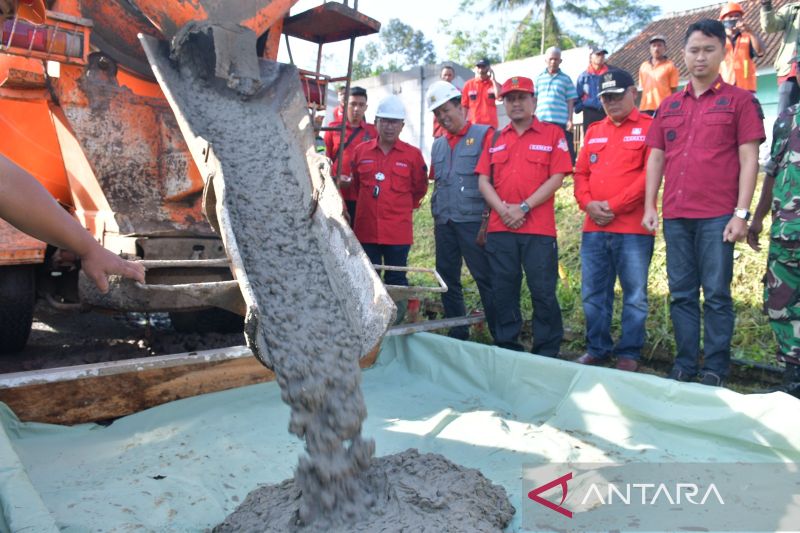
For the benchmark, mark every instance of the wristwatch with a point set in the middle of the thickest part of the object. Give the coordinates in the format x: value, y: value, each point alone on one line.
x: 742, y: 213
x: 525, y: 207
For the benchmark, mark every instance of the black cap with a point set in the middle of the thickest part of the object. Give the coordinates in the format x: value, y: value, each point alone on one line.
x: 599, y: 50
x: 615, y: 81
x: 483, y: 62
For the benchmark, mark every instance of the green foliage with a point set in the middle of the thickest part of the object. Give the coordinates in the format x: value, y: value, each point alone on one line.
x: 400, y: 47
x: 527, y: 39
x: 612, y: 20
x: 468, y: 46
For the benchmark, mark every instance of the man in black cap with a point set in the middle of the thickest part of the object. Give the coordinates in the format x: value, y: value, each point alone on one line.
x: 609, y: 187
x: 479, y: 96
x: 588, y: 87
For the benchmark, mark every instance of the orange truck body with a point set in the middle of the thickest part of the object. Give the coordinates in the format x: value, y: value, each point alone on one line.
x: 99, y: 135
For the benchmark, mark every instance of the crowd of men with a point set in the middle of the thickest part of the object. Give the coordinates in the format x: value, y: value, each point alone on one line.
x: 493, y: 194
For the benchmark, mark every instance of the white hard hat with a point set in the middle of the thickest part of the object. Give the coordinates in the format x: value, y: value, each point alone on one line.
x: 440, y: 92
x: 391, y: 107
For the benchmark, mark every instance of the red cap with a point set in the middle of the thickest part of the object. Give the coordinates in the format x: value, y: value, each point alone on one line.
x: 517, y: 83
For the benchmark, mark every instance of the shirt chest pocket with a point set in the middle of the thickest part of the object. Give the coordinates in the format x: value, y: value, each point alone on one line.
x: 366, y: 172
x: 673, y: 129
x: 717, y: 129
x: 401, y: 177
x: 538, y: 158
x: 633, y: 153
x: 596, y: 152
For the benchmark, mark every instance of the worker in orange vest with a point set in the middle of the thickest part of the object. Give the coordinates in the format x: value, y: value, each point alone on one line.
x: 741, y: 49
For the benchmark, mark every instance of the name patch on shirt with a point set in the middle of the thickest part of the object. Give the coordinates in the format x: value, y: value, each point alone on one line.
x: 498, y: 148
x: 633, y: 138
x: 598, y: 140
x: 401, y: 164
x: 540, y: 147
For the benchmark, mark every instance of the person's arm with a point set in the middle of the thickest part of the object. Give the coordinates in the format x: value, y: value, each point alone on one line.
x: 674, y: 79
x: 570, y: 108
x: 30, y: 208
x: 763, y: 207
x: 771, y: 21
x: 497, y: 97
x: 655, y: 171
x: 465, y: 96
x: 580, y: 93
x: 736, y: 229
x: 419, y: 182
x: 757, y: 45
x: 494, y: 201
x: 328, y: 138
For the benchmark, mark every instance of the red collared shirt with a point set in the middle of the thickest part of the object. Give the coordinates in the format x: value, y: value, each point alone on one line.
x: 522, y: 163
x: 387, y: 218
x: 700, y: 138
x: 611, y: 167
x: 332, y: 141
x: 479, y: 100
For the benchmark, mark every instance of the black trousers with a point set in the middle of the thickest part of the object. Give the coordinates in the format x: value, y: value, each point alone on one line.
x: 590, y: 116
x: 510, y: 254
x: 456, y: 241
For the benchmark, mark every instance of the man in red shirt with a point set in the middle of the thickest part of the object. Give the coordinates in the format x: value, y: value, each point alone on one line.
x: 390, y: 178
x: 609, y: 187
x: 479, y: 96
x: 704, y: 141
x: 520, y: 171
x: 356, y: 131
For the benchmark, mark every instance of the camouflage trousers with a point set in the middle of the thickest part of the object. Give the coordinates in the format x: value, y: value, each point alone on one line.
x: 782, y: 298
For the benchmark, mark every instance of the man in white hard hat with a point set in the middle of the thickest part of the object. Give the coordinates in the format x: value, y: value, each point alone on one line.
x: 457, y: 204
x: 390, y: 178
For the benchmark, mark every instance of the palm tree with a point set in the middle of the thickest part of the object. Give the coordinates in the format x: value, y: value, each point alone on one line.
x: 548, y: 14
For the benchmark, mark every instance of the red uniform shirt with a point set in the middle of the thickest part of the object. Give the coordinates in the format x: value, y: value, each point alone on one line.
x: 522, y: 163
x: 338, y: 113
x: 387, y: 218
x: 479, y: 100
x: 701, y: 138
x: 611, y: 167
x: 332, y: 141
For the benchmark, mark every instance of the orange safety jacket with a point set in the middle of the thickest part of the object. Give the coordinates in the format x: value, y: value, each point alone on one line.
x: 738, y: 68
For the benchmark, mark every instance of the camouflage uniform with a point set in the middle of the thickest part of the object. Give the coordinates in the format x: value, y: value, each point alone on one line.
x: 782, y: 289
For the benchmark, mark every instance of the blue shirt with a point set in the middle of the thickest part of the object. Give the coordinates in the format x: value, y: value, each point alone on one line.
x: 552, y: 93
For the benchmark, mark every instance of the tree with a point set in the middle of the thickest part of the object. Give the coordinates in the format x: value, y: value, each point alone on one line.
x: 399, y: 47
x: 612, y: 20
x: 527, y: 39
x: 466, y: 47
x: 548, y: 19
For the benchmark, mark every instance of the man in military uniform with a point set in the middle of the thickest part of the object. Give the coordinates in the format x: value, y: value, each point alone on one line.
x: 781, y: 193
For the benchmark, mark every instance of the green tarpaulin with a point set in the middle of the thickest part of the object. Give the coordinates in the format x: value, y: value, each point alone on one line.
x: 186, y: 465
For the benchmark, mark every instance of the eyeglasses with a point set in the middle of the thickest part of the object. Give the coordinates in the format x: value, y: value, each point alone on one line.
x: 612, y: 97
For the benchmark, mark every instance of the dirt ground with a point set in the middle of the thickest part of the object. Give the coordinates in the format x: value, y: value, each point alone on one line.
x: 61, y: 338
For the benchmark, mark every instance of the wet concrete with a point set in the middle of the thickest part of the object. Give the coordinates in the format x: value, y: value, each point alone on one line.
x: 412, y: 492
x: 305, y: 326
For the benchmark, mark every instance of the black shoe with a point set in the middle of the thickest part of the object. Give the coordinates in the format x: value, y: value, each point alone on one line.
x: 711, y: 379
x: 679, y: 375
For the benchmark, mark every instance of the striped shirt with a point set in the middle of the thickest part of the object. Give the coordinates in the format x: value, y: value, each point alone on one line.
x: 552, y: 93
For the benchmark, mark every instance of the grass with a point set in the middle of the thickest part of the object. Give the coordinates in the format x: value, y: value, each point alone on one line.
x: 752, y: 338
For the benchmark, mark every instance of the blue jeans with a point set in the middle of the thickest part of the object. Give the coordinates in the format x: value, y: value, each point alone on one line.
x: 697, y: 257
x: 389, y: 254
x: 510, y: 253
x: 604, y: 256
x: 454, y: 241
